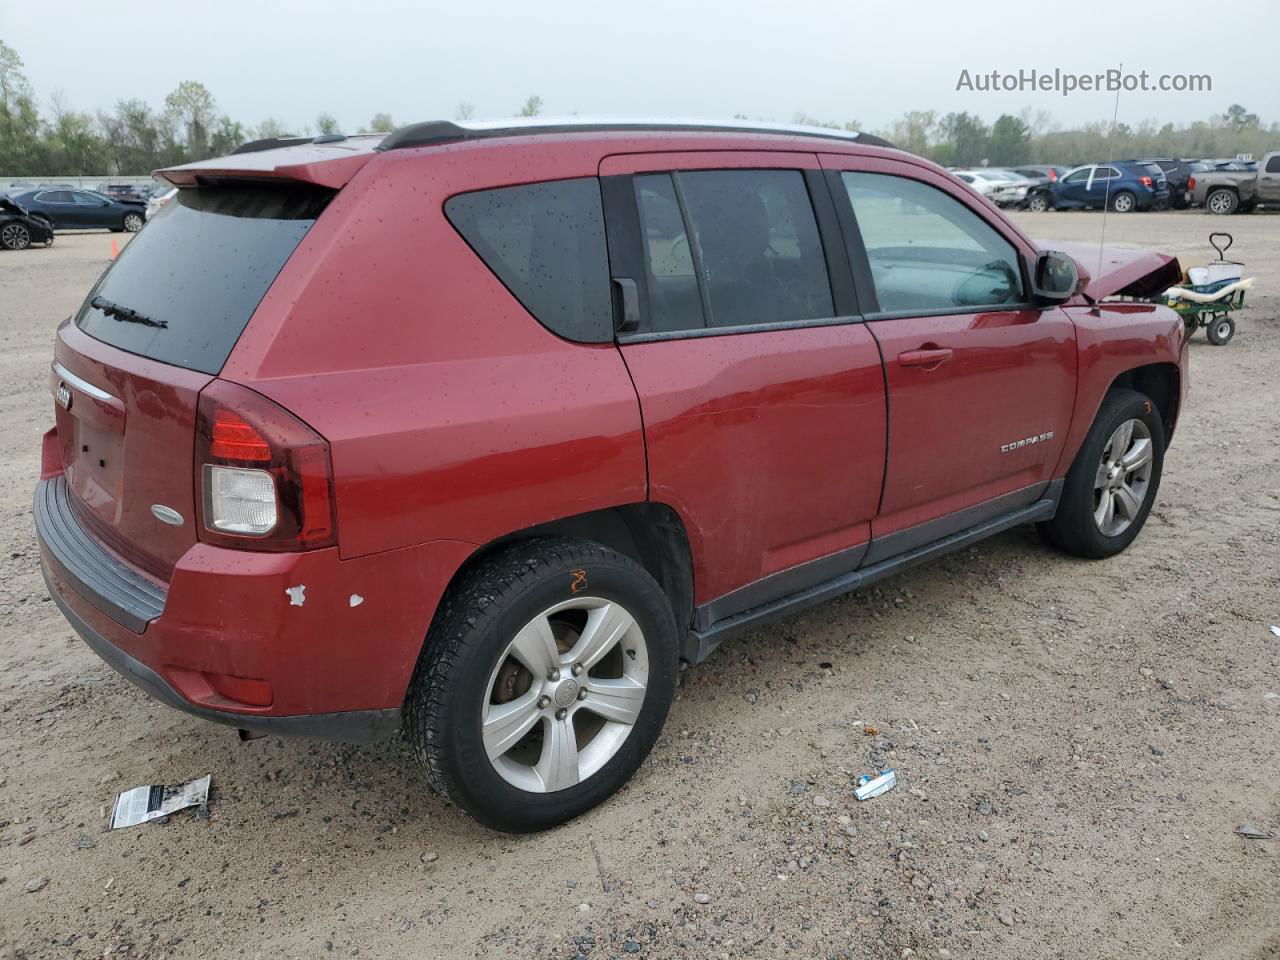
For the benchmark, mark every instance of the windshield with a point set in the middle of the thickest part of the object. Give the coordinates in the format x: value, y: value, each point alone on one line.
x: 198, y: 271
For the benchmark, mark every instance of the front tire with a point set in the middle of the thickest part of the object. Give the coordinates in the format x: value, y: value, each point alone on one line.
x: 1039, y: 203
x: 133, y: 222
x: 1113, y: 482
x: 15, y: 236
x: 544, y: 681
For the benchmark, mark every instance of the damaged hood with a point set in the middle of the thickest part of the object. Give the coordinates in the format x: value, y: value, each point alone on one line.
x: 1123, y: 273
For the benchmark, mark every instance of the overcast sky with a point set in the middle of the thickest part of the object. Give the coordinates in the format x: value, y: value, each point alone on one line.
x: 836, y: 60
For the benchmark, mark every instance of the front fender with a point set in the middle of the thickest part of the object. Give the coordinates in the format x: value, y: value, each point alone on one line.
x: 1115, y: 339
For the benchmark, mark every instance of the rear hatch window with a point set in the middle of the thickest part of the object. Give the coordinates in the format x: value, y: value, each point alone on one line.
x: 185, y: 286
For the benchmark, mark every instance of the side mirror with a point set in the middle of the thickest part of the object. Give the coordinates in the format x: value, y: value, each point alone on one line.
x: 1056, y: 278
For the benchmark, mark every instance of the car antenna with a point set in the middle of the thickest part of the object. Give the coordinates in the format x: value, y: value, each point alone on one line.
x: 1111, y: 152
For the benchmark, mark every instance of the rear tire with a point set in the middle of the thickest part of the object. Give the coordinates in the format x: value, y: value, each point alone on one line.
x: 1124, y: 202
x: 524, y: 733
x: 1114, y: 467
x: 1220, y: 330
x: 1222, y: 202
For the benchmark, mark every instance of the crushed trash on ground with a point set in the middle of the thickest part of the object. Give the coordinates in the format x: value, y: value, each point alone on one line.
x: 150, y: 802
x: 869, y: 786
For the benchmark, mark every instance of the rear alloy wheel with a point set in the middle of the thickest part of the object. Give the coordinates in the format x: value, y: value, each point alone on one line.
x: 1123, y: 202
x: 545, y: 679
x: 1109, y: 490
x: 1220, y: 330
x: 1222, y: 202
x: 15, y: 236
x: 133, y: 222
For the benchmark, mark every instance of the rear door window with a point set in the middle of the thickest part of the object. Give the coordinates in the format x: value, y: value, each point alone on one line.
x: 727, y: 248
x: 928, y: 252
x: 184, y: 289
x: 546, y: 243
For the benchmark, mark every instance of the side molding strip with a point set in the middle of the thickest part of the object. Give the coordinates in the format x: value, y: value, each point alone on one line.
x: 699, y: 643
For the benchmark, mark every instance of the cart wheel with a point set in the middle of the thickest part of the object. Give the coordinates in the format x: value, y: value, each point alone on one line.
x: 1220, y: 330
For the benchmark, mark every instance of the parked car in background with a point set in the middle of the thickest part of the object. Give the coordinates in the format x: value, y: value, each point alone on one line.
x: 126, y: 191
x: 19, y: 229
x: 1124, y: 187
x: 158, y: 199
x: 1228, y: 191
x: 343, y: 530
x: 1002, y: 187
x: 1039, y: 173
x: 84, y: 209
x: 1178, y: 173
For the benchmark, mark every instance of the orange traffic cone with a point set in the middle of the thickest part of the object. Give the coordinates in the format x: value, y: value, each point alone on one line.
x: 115, y: 248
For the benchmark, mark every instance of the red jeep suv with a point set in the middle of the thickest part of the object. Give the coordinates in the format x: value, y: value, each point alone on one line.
x: 476, y: 431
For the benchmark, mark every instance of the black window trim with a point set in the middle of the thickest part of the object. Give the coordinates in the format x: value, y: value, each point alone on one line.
x: 627, y: 255
x: 861, y: 263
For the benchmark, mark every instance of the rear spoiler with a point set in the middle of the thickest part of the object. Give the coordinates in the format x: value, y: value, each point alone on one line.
x: 326, y: 161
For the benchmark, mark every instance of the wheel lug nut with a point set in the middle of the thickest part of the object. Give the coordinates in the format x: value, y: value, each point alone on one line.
x: 577, y: 669
x: 582, y: 694
x: 543, y: 701
x: 561, y: 713
x: 553, y: 675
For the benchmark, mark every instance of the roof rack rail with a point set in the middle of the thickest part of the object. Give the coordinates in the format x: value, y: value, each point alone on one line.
x: 435, y: 132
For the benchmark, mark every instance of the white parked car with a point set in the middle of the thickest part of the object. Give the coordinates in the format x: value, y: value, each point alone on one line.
x: 1002, y: 187
x: 158, y: 200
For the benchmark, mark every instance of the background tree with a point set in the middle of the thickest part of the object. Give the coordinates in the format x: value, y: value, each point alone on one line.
x: 20, y: 142
x: 1010, y: 141
x: 193, y: 109
x: 381, y: 123
x: 532, y: 107
x: 326, y: 123
x: 964, y: 136
x: 464, y: 111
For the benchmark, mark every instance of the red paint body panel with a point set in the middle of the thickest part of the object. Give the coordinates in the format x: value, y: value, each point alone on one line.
x: 769, y: 445
x: 228, y: 613
x: 1011, y: 375
x: 123, y: 455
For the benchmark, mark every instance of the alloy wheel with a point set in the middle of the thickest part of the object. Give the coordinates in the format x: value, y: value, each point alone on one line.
x: 133, y: 222
x: 1123, y: 478
x: 1123, y: 203
x: 565, y: 694
x: 15, y: 236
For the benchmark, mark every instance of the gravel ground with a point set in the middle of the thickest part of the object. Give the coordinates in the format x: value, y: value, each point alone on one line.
x: 1076, y: 743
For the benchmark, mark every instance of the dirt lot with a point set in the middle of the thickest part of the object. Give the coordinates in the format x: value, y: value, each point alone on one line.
x: 1075, y: 741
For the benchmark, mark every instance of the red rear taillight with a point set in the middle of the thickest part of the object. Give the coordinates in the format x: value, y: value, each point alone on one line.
x: 233, y: 439
x: 263, y: 476
x: 1191, y: 183
x: 1053, y: 174
x: 1148, y: 182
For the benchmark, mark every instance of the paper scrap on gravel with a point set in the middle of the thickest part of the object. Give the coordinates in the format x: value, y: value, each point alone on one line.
x: 869, y: 786
x: 151, y: 802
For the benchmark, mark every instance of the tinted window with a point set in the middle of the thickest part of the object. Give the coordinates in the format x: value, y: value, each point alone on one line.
x: 762, y: 260
x: 674, y: 299
x: 201, y: 267
x: 54, y: 196
x: 88, y: 199
x: 545, y: 242
x: 927, y: 250
x: 1106, y: 173
x: 1077, y: 176
x: 1273, y: 165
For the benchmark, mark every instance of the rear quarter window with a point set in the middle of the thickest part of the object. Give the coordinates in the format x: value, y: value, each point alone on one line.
x: 198, y: 270
x: 546, y: 243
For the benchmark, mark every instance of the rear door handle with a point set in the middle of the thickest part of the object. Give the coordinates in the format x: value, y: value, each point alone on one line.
x: 930, y: 357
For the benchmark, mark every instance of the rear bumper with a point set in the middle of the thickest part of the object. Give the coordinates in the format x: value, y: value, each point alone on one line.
x: 292, y: 643
x: 352, y: 726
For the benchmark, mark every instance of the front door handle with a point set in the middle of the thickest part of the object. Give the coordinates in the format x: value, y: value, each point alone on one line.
x: 928, y: 357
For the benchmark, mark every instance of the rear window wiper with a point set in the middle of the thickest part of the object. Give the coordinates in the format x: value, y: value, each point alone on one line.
x: 127, y: 314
